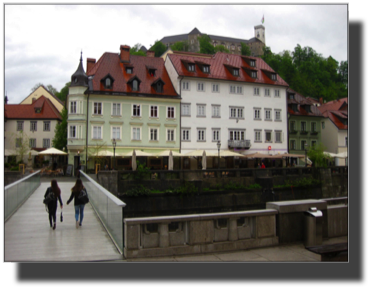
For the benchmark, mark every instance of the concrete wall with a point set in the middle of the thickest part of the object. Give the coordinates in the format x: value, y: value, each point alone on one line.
x: 202, y: 233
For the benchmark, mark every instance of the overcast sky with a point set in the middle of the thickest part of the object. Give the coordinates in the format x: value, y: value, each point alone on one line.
x: 42, y: 43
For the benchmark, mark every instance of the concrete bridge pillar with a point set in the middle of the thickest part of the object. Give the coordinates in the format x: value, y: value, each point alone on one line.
x: 163, y: 231
x: 232, y: 230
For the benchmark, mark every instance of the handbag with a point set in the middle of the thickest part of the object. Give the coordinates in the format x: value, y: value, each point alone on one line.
x: 61, y: 217
x: 83, y: 197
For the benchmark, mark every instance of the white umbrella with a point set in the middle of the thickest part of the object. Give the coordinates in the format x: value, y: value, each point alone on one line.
x: 226, y: 153
x: 134, y: 163
x: 342, y: 155
x: 105, y: 153
x: 137, y: 153
x: 32, y: 152
x: 170, y: 167
x: 52, y: 151
x: 204, y: 161
x: 8, y: 152
x: 329, y: 154
x: 196, y: 153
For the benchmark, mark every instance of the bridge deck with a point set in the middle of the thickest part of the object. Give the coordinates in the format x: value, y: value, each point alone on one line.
x: 28, y: 236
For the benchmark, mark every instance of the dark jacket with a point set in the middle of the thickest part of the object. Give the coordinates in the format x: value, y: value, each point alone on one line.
x: 48, y: 190
x: 75, y: 197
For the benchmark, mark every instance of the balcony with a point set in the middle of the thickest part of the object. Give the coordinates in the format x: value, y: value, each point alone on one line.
x: 240, y: 144
x: 293, y: 132
x: 304, y: 132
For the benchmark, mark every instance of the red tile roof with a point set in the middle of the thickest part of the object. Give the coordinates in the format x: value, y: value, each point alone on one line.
x: 301, y: 102
x: 219, y: 64
x: 110, y: 64
x: 334, y: 117
x: 334, y: 105
x: 27, y: 111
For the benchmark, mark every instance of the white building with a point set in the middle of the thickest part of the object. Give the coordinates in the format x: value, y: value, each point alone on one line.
x: 237, y: 100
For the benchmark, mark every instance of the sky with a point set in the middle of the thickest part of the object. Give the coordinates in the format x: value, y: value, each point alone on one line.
x: 43, y: 43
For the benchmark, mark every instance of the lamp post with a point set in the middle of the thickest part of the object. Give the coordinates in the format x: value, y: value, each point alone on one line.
x: 114, y: 148
x: 218, y: 144
x: 305, y: 146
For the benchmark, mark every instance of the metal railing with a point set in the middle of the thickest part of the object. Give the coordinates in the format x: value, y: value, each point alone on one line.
x: 18, y: 192
x: 108, y: 208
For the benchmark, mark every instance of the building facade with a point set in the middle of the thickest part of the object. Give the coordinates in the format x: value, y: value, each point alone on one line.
x: 237, y: 100
x: 335, y: 128
x: 123, y: 97
x: 255, y: 43
x: 33, y: 122
x: 305, y: 124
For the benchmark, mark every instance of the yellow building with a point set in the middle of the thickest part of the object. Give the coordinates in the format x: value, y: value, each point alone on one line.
x: 42, y: 91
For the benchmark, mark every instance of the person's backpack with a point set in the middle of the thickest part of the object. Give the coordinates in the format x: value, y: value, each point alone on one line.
x: 50, y: 198
x: 83, y: 197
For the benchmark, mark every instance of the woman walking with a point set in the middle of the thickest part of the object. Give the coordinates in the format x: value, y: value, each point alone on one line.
x: 78, y: 204
x: 52, y: 206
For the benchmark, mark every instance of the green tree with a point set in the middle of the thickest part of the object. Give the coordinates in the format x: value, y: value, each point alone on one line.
x: 62, y: 95
x: 94, y: 152
x: 135, y: 50
x: 22, y: 144
x: 205, y: 46
x: 60, y: 137
x: 180, y: 46
x: 159, y: 48
x: 221, y: 48
x: 245, y: 51
x: 316, y: 155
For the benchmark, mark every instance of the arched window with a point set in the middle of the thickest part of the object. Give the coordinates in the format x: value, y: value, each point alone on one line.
x: 108, y: 82
x: 159, y: 87
x: 135, y: 85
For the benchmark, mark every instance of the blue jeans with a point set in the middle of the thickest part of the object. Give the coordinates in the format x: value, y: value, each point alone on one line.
x: 79, y: 209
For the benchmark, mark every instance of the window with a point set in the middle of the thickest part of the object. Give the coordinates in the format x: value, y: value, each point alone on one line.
x: 185, y: 110
x: 136, y: 111
x: 257, y: 113
x: 257, y: 135
x: 276, y: 93
x: 191, y: 66
x: 170, y: 135
x: 153, y: 111
x: 291, y: 96
x: 96, y: 132
x: 237, y: 135
x: 201, y: 110
x: 236, y: 89
x: 186, y: 86
x: 313, y: 127
x: 268, y: 114
x: 186, y: 134
x: 346, y: 141
x: 268, y: 136
x: 232, y: 89
x: 18, y: 142
x: 292, y: 126
x: 33, y: 126
x: 323, y: 124
x: 46, y: 126
x: 108, y: 82
x: 170, y: 112
x: 256, y: 91
x: 215, y: 134
x: 232, y: 47
x: 129, y: 70
x: 201, y: 134
x: 116, y: 132
x: 200, y: 86
x: 135, y: 85
x: 236, y: 112
x: 273, y: 77
x: 278, y: 135
x: 267, y: 92
x: 215, y: 88
x: 73, y: 131
x: 235, y: 72
x: 20, y: 126
x: 73, y: 107
x: 97, y: 108
x: 153, y: 134
x: 206, y: 69
x: 303, y: 143
x: 136, y: 134
x: 252, y: 63
x: 313, y: 143
x: 32, y: 142
x: 46, y: 142
x: 253, y: 74
x: 292, y: 144
x: 159, y: 87
x: 215, y: 110
x: 277, y: 115
x: 303, y: 126
x: 116, y: 109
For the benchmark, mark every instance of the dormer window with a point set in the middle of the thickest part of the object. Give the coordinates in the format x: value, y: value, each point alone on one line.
x: 134, y: 82
x: 254, y: 74
x: 294, y: 107
x: 235, y: 72
x: 191, y: 67
x: 158, y: 85
x: 307, y: 108
x: 129, y: 70
x: 273, y: 77
x: 108, y: 81
x: 252, y: 63
x: 291, y: 96
x: 206, y: 69
x: 37, y: 110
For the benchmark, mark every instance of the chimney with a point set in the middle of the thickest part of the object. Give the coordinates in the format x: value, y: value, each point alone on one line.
x: 90, y: 64
x: 321, y: 100
x: 149, y: 53
x: 124, y: 53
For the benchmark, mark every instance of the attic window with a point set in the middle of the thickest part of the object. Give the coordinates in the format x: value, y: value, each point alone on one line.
x: 273, y: 77
x: 159, y: 87
x: 129, y: 70
x: 191, y: 67
x: 254, y: 74
x: 135, y: 85
x: 291, y: 96
x: 75, y: 79
x: 206, y: 69
x: 152, y: 72
x: 108, y: 83
x: 294, y: 107
x: 235, y: 72
x: 252, y: 63
x: 307, y: 108
x: 37, y: 110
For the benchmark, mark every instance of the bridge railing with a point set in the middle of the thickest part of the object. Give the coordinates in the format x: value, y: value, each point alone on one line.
x: 18, y: 192
x: 108, y: 208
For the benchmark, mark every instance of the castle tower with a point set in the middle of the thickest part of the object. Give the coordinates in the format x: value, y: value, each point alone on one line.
x: 260, y: 33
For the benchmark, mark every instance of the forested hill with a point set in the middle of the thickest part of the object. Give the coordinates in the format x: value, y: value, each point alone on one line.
x: 309, y: 74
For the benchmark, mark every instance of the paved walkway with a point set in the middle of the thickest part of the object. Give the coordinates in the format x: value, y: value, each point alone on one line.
x: 28, y: 236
